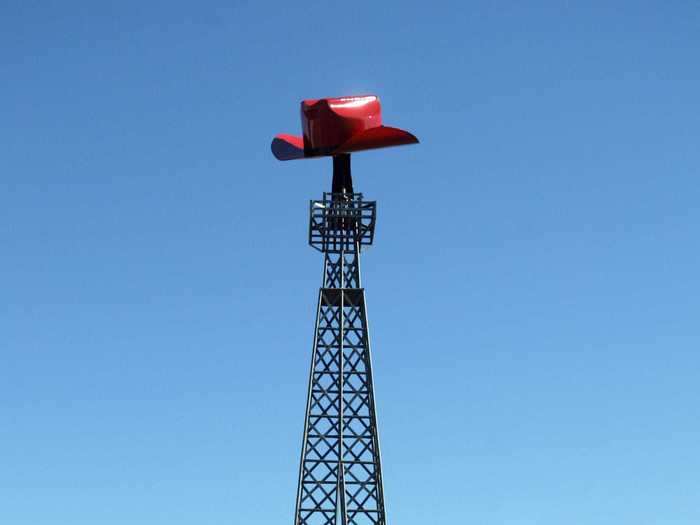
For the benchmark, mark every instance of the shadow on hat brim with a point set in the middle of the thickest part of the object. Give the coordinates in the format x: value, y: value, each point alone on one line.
x: 291, y: 147
x: 287, y: 147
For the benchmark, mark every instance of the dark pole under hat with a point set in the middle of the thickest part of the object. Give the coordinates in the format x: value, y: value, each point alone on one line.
x: 342, y: 177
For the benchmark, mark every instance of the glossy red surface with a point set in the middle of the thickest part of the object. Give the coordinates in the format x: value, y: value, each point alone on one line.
x: 339, y: 125
x: 329, y: 122
x: 381, y: 137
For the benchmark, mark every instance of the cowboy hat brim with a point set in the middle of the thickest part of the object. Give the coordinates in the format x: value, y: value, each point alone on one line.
x: 291, y: 147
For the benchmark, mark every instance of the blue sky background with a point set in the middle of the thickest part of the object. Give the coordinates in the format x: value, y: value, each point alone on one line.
x: 533, y: 291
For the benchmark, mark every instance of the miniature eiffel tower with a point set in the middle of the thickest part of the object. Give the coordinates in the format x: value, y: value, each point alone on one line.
x: 340, y: 478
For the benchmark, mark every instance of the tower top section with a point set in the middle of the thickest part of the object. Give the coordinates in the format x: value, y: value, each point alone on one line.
x: 341, y: 223
x: 336, y: 126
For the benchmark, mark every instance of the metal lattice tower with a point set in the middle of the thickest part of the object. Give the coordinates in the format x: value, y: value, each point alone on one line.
x: 340, y: 477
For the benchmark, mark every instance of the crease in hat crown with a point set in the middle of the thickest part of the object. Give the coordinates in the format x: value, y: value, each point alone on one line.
x: 333, y: 126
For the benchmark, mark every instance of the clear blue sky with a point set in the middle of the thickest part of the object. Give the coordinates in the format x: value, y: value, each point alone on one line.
x: 533, y: 291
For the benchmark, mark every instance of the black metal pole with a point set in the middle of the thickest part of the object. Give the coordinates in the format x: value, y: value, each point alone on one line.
x: 342, y: 177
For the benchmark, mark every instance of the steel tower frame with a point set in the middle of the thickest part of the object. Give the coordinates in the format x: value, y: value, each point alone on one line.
x: 340, y: 475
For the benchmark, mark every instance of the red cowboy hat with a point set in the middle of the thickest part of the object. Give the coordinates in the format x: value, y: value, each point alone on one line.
x: 333, y: 126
